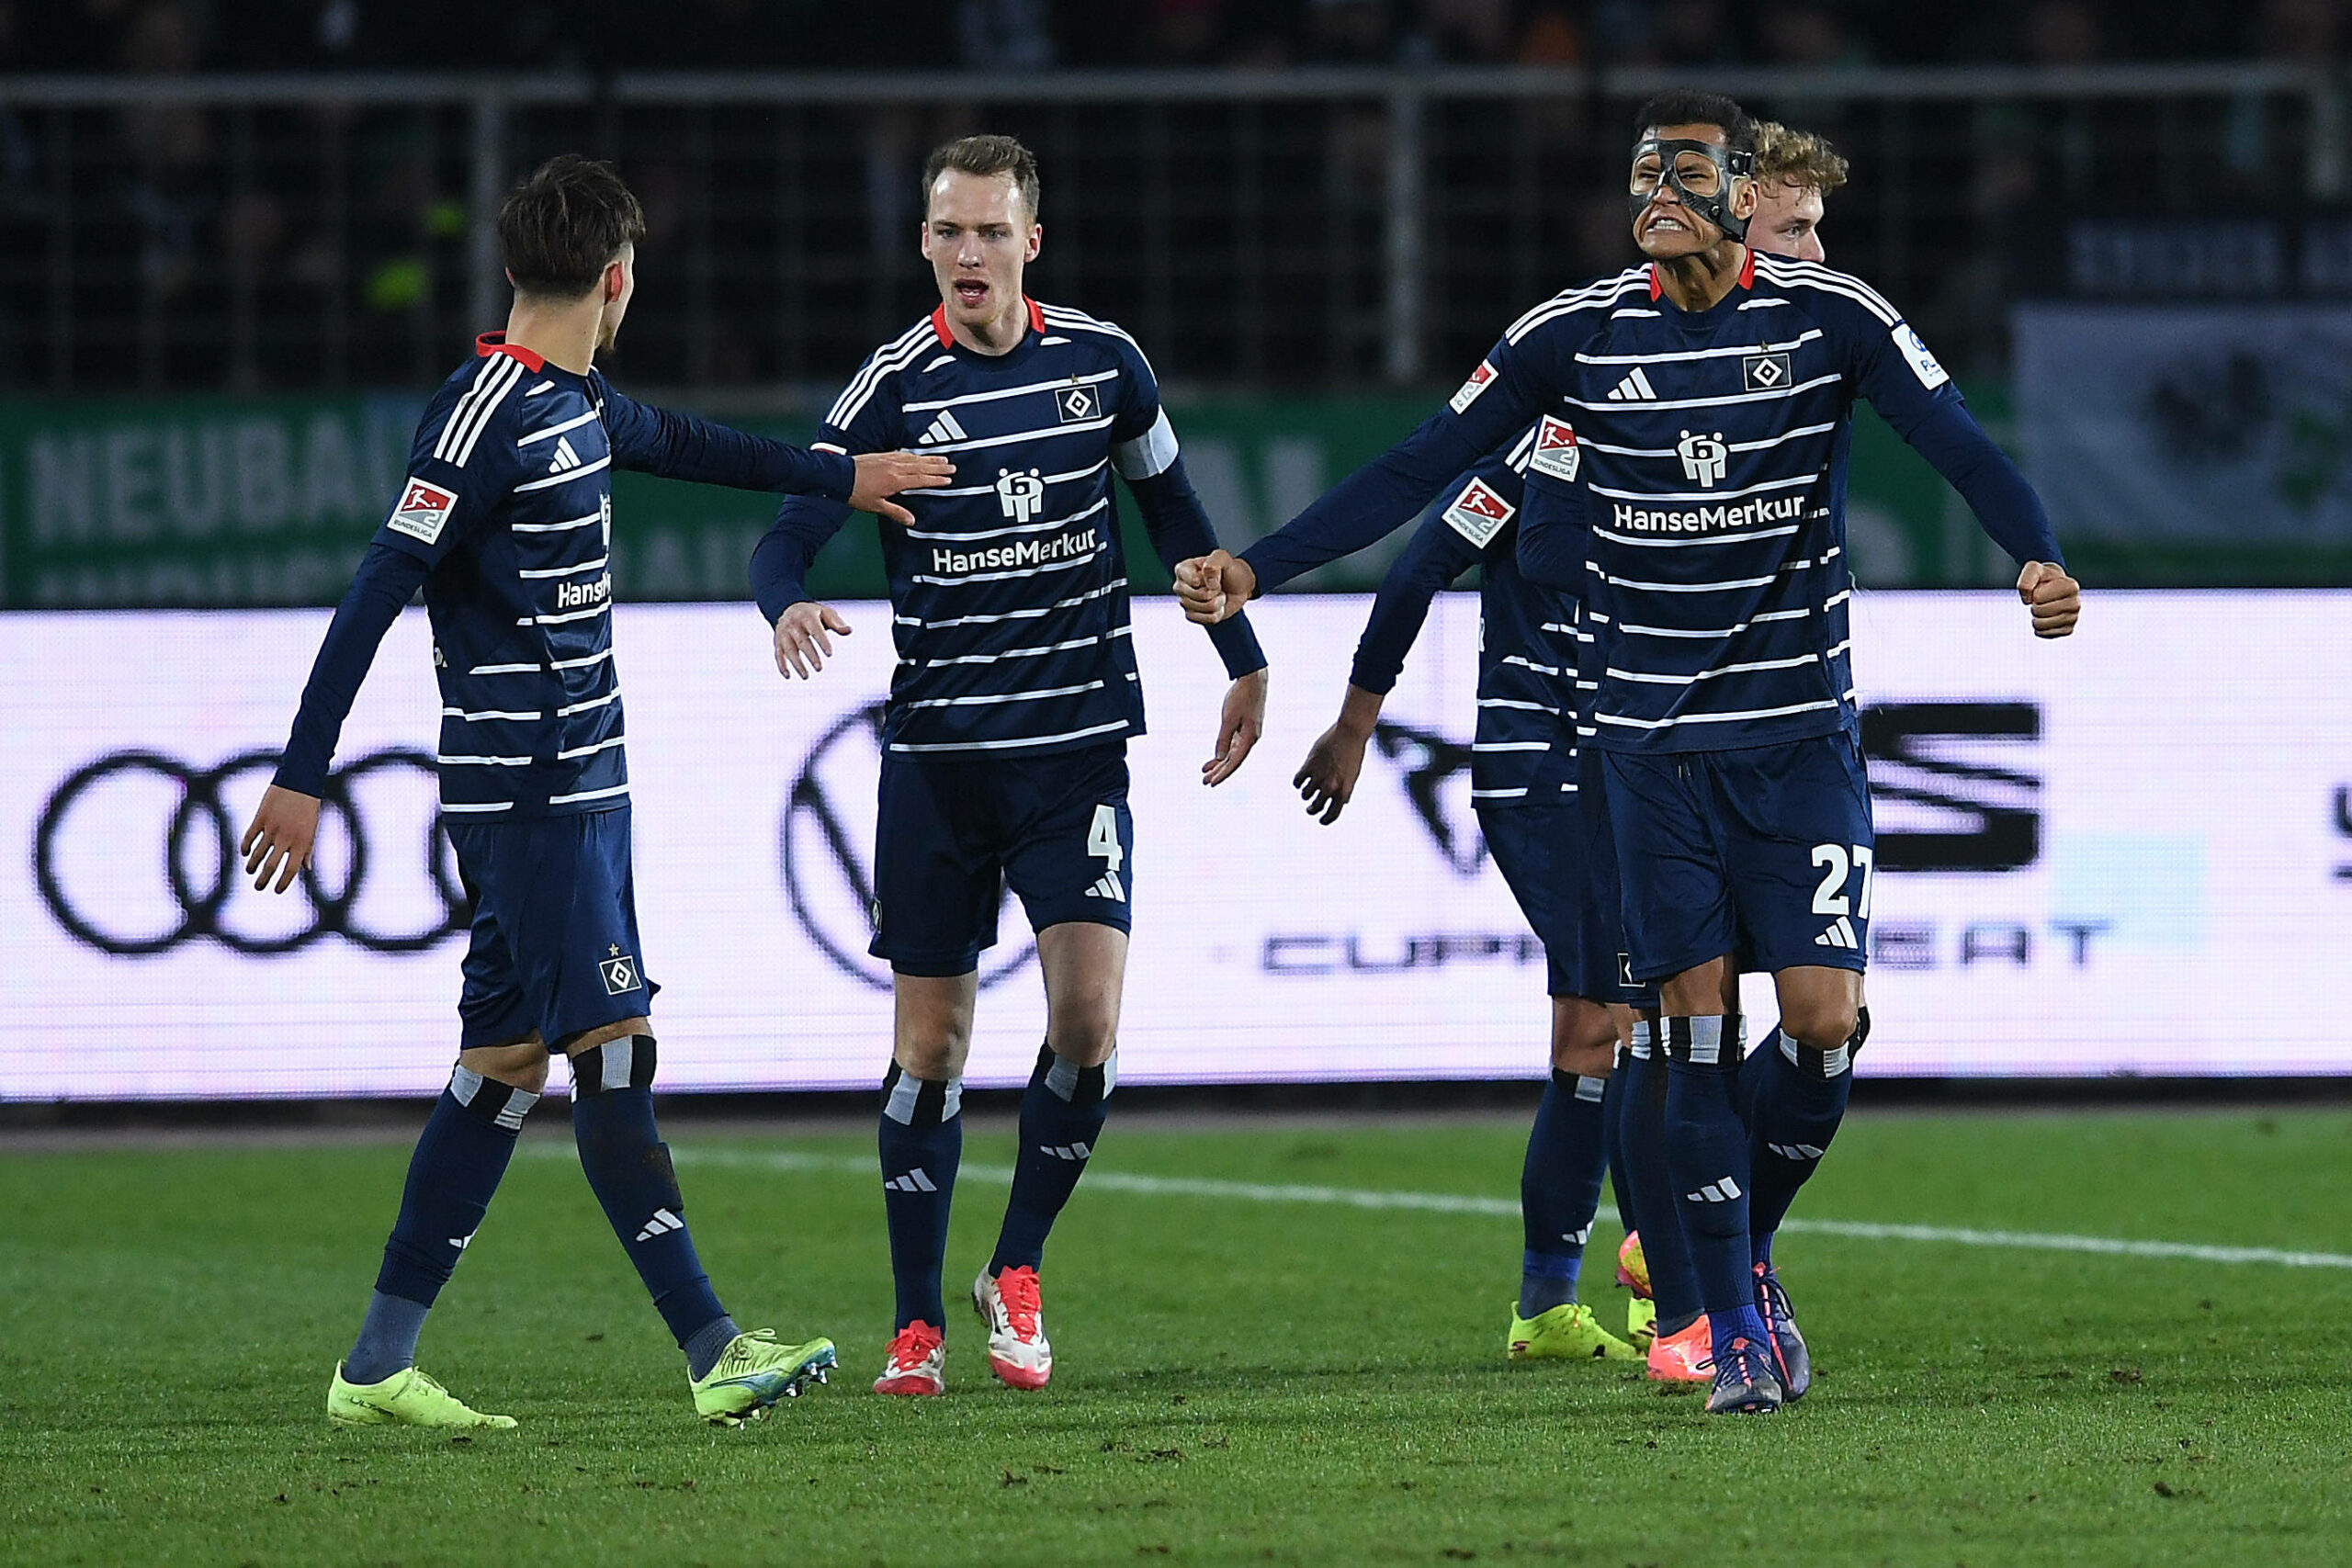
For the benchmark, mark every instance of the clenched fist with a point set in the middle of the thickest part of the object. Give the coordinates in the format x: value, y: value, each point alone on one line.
x: 2055, y: 599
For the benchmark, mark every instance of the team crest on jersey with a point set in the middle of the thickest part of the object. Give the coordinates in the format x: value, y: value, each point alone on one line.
x: 1479, y: 380
x: 1914, y: 353
x: 1478, y: 514
x: 1765, y: 372
x: 1556, y: 451
x: 1705, y: 457
x: 422, y: 510
x: 1022, y: 496
x: 1072, y: 404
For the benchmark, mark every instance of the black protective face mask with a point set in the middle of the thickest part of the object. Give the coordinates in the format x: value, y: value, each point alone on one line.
x: 1715, y: 209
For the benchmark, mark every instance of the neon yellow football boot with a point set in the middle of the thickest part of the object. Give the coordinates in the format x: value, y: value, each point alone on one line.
x: 407, y: 1398
x: 1641, y: 1322
x: 754, y: 1373
x: 1568, y: 1333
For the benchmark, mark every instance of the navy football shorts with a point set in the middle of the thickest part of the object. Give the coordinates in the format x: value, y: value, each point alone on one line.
x: 953, y: 831
x: 1767, y: 852
x: 1563, y: 870
x: 554, y: 946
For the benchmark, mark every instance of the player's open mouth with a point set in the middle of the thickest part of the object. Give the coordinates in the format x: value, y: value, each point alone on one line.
x: 969, y: 293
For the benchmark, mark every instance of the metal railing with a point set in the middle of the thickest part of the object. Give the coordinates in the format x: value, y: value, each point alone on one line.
x: 1312, y: 230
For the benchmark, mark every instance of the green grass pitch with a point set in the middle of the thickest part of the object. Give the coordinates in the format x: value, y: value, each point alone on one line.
x: 1238, y: 1380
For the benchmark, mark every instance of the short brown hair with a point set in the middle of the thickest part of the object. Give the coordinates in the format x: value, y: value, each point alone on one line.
x: 1798, y: 158
x: 984, y: 155
x: 565, y: 224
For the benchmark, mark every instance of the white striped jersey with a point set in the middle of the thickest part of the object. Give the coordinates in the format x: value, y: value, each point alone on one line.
x: 1524, y: 748
x: 1010, y: 592
x: 1708, y: 451
x: 508, y: 503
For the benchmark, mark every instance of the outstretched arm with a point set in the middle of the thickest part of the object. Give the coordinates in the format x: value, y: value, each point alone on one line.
x: 277, y: 841
x: 1509, y: 387
x: 680, y: 447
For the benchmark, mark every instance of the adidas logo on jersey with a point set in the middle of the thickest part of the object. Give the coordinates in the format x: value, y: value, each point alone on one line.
x: 944, y: 428
x: 662, y: 1223
x: 1066, y: 1151
x: 1107, y: 887
x: 565, y: 459
x: 1634, y: 388
x: 1719, y: 1191
x: 1839, y: 934
x: 542, y: 386
x: 913, y: 1182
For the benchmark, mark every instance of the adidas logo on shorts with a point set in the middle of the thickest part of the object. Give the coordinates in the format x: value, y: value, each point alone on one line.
x: 1839, y: 934
x: 1719, y: 1191
x: 1107, y: 887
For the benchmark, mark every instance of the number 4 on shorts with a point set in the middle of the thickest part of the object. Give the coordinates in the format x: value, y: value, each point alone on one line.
x: 1102, y: 842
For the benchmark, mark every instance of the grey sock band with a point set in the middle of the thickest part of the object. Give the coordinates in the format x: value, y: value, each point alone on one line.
x: 911, y: 1101
x: 387, y: 1342
x: 500, y: 1103
x: 1066, y: 1080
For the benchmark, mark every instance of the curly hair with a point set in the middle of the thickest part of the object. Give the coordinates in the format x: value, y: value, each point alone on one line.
x: 1798, y: 157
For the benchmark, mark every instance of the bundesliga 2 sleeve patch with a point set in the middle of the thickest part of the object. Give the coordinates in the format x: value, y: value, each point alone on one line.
x: 1478, y: 514
x: 422, y: 510
x: 1555, y: 452
x: 1914, y: 353
x: 1480, y: 379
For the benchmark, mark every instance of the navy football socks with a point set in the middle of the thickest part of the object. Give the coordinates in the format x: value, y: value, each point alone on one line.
x: 921, y: 1144
x: 459, y: 1159
x: 1062, y: 1112
x: 1706, y: 1153
x: 628, y: 1167
x: 1797, y: 1097
x: 1673, y: 1287
x: 1559, y: 1189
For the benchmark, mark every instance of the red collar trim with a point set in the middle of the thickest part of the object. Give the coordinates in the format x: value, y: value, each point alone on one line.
x: 1657, y: 287
x: 1747, y: 270
x: 496, y: 343
x: 947, y: 339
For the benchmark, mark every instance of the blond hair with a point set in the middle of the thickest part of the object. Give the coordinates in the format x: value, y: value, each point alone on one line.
x: 1798, y: 158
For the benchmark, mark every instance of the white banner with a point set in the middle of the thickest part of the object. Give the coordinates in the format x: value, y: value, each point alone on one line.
x: 2131, y: 852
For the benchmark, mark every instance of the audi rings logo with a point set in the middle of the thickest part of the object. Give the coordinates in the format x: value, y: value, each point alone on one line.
x: 823, y: 843
x: 112, y: 815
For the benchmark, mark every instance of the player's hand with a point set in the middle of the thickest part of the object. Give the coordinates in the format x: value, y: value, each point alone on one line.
x: 1237, y: 729
x: 804, y: 639
x: 1214, y: 587
x: 277, y: 840
x: 2055, y: 599
x: 1327, y: 780
x: 881, y: 475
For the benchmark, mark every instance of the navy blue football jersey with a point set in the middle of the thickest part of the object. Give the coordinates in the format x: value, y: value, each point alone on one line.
x: 1010, y: 590
x: 1697, y: 460
x: 1524, y: 748
x: 508, y: 503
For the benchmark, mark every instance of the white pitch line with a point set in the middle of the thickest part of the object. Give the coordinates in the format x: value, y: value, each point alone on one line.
x: 1506, y: 1208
